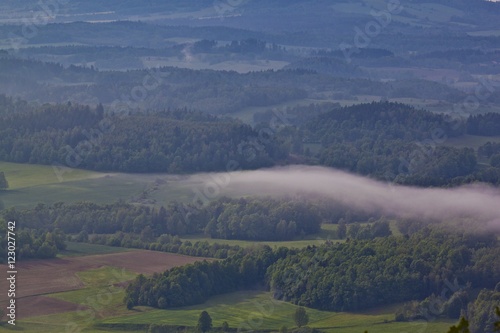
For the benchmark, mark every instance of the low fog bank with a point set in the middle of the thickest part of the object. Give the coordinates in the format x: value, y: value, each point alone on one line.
x: 479, y: 202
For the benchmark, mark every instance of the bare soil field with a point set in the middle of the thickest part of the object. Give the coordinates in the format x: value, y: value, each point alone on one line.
x: 40, y: 277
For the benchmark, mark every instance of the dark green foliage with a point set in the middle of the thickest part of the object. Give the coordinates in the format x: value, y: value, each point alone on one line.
x: 489, y: 149
x: 225, y: 327
x: 245, y: 218
x: 342, y: 277
x: 92, y: 218
x: 362, y: 274
x: 394, y: 142
x: 341, y: 229
x: 174, y: 141
x: 482, y: 312
x: 497, y: 323
x: 166, y: 243
x: 484, y: 124
x: 3, y: 181
x: 195, y: 283
x: 35, y: 244
x: 444, y: 305
x: 379, y: 228
x: 204, y: 322
x: 258, y: 219
x: 462, y: 327
x: 300, y: 317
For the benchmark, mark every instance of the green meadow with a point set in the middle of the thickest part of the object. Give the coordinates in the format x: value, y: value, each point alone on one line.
x: 247, y: 310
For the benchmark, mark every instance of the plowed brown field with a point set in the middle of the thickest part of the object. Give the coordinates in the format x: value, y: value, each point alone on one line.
x: 35, y: 278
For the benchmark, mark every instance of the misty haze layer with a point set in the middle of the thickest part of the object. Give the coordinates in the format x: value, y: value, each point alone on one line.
x: 479, y: 202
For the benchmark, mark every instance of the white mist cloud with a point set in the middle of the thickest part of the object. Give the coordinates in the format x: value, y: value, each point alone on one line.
x: 479, y: 202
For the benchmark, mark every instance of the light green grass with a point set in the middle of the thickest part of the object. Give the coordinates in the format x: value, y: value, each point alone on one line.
x: 95, y: 190
x: 100, y: 298
x: 100, y: 295
x: 258, y: 310
x: 247, y: 310
x: 31, y: 184
x: 29, y: 175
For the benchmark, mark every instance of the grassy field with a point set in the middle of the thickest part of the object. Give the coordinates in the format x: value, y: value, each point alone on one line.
x: 248, y: 310
x: 22, y: 176
x: 255, y: 310
x: 47, y: 305
x: 99, y: 308
x: 30, y: 184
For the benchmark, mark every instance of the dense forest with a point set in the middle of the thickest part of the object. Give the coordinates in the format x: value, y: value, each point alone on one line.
x: 217, y: 92
x: 403, y: 93
x: 389, y: 141
x: 170, y: 141
x: 224, y: 218
x: 338, y: 277
x: 194, y: 284
x: 399, y: 143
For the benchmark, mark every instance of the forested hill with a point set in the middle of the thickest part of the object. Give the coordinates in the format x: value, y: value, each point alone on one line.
x: 388, y: 141
x: 218, y: 92
x: 399, y: 143
x: 170, y: 141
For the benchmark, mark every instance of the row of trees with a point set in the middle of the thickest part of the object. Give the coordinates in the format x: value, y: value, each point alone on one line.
x: 195, y: 283
x: 164, y: 243
x: 251, y: 218
x: 341, y: 277
x: 32, y: 243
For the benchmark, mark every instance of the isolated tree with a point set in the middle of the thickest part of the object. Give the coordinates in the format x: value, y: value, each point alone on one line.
x: 225, y: 327
x: 3, y: 182
x: 341, y: 229
x: 463, y: 327
x: 283, y: 329
x: 204, y: 322
x: 301, y: 317
x: 496, y: 328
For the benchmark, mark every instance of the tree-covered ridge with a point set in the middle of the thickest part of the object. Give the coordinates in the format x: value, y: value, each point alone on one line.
x: 396, y: 142
x: 388, y: 141
x: 219, y: 92
x: 358, y: 274
x: 382, y: 120
x: 171, y: 141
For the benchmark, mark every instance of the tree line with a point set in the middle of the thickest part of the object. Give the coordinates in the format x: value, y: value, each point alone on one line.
x: 251, y: 218
x: 32, y: 243
x: 337, y: 277
x: 195, y: 283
